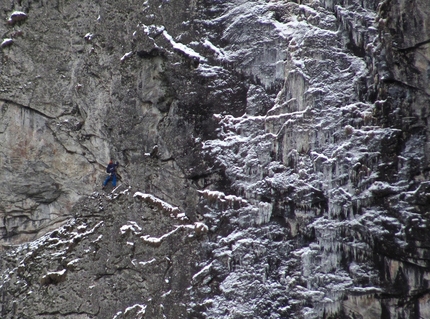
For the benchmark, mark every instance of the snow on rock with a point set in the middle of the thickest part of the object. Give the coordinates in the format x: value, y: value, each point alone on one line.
x: 199, y: 276
x: 187, y: 51
x: 380, y: 188
x: 200, y: 228
x: 156, y: 241
x: 100, y: 255
x: 72, y: 265
x: 6, y: 42
x: 137, y: 310
x: 89, y: 37
x: 126, y: 56
x: 17, y: 16
x: 132, y: 227
x: 153, y: 30
x: 160, y: 204
x: 144, y: 263
x: 322, y: 161
x: 220, y: 198
x: 54, y: 277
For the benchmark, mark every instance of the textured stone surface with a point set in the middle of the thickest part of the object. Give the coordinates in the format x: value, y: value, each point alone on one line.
x: 274, y: 159
x: 97, y: 268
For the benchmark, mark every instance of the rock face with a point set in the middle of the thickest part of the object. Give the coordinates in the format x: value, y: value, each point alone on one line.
x: 274, y: 159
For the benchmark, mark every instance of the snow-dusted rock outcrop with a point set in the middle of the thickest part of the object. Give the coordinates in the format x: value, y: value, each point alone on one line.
x: 274, y: 159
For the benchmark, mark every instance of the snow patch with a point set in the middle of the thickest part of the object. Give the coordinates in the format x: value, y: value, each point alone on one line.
x: 126, y: 56
x: 183, y: 48
x: 133, y: 227
x: 160, y: 204
x: 6, y: 42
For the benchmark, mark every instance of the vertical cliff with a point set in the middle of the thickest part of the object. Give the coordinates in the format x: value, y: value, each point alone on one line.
x: 274, y: 159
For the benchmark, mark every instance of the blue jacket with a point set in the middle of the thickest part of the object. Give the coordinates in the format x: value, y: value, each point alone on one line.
x: 111, y: 168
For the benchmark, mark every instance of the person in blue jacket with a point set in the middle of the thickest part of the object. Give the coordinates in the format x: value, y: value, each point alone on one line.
x: 111, y: 170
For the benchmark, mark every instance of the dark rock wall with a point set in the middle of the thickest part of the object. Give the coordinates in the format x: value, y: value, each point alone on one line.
x: 274, y: 159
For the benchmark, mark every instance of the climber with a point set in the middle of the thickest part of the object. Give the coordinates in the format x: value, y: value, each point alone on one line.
x: 111, y: 170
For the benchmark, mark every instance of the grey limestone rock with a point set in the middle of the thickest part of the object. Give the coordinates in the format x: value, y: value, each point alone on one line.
x: 274, y: 159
